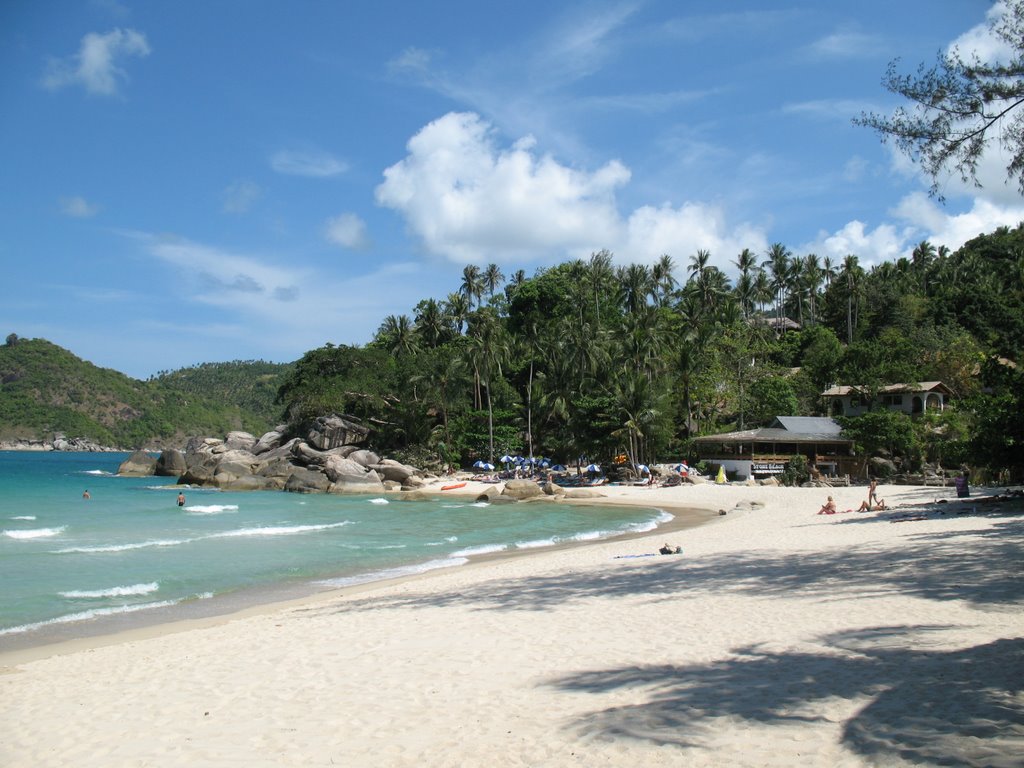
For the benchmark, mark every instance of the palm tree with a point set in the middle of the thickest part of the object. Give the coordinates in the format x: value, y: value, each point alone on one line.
x: 492, y: 278
x: 431, y: 323
x: 698, y: 263
x: 456, y: 309
x: 600, y: 272
x: 923, y: 255
x: 746, y: 263
x: 828, y: 270
x: 811, y: 276
x: 635, y: 286
x: 489, y: 351
x: 664, y: 279
x: 399, y: 335
x: 472, y: 284
x: 778, y: 264
x: 517, y: 279
x: 852, y: 274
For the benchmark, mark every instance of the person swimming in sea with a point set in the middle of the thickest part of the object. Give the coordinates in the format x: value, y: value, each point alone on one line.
x: 181, y: 499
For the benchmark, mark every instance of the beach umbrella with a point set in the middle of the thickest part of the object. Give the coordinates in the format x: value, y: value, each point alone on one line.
x: 643, y: 469
x: 545, y: 463
x: 480, y: 464
x: 558, y: 468
x: 592, y: 468
x: 488, y: 467
x: 680, y: 468
x: 506, y: 459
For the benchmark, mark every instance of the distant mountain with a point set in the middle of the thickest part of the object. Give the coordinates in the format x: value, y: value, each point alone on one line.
x: 45, y: 389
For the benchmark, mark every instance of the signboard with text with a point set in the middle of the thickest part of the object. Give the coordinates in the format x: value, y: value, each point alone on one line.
x: 768, y: 467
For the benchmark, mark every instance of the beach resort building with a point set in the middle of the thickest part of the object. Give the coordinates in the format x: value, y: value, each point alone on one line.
x: 912, y: 398
x: 760, y: 453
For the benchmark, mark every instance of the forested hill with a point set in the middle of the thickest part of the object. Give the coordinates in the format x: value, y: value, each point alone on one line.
x: 45, y: 389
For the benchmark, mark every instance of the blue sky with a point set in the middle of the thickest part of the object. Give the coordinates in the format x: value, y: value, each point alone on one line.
x: 206, y: 181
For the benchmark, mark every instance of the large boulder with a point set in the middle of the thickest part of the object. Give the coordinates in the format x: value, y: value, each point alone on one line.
x: 368, y: 458
x: 280, y: 468
x: 307, y: 481
x: 268, y: 442
x: 251, y: 483
x: 552, y: 489
x: 283, y: 451
x: 490, y: 493
x: 693, y: 479
x: 388, y: 468
x: 520, y: 490
x: 171, y: 463
x: 347, y: 476
x: 332, y: 431
x: 240, y: 441
x: 139, y: 464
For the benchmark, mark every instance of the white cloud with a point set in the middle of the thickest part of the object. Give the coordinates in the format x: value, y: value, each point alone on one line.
x: 829, y: 109
x: 94, y: 66
x: 470, y: 201
x: 682, y: 231
x: 980, y: 41
x: 846, y: 44
x: 240, y: 196
x: 348, y: 231
x: 78, y: 207
x: 467, y: 199
x: 885, y: 242
x: 937, y: 225
x: 315, y: 164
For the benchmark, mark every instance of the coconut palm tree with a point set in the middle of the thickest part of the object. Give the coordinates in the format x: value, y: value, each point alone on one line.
x: 664, y: 279
x: 492, y: 278
x: 472, y: 284
x: 778, y: 263
x: 600, y: 274
x: 922, y: 257
x: 399, y: 334
x: 456, y: 309
x: 489, y: 351
x: 431, y: 323
x: 852, y: 274
x: 635, y: 286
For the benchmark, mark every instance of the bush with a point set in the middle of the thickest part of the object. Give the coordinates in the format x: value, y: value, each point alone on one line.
x: 796, y: 471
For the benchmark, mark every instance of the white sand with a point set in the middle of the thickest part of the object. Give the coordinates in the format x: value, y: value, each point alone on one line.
x: 779, y: 637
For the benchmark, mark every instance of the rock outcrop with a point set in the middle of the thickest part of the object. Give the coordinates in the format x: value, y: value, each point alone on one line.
x: 139, y: 464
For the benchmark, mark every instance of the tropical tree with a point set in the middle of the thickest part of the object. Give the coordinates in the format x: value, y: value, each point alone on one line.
x: 851, y: 274
x: 492, y: 278
x: 961, y: 106
x: 472, y: 284
x: 778, y: 263
x: 664, y: 279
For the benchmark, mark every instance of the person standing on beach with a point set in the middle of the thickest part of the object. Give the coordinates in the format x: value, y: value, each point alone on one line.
x: 873, y: 493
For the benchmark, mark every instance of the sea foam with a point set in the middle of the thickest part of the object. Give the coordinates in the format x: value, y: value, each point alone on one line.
x: 98, y: 612
x: 211, y: 509
x: 128, y: 591
x: 393, y: 573
x: 35, y: 533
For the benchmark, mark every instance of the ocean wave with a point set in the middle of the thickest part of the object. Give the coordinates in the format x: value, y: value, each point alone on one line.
x: 483, y: 549
x: 35, y: 533
x: 98, y: 612
x: 97, y: 472
x: 211, y: 509
x: 650, y: 525
x: 393, y: 573
x: 379, y: 501
x: 276, y: 530
x: 122, y: 547
x: 24, y: 517
x: 133, y: 589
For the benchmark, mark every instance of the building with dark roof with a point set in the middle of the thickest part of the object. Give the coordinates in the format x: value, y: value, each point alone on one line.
x: 767, y: 451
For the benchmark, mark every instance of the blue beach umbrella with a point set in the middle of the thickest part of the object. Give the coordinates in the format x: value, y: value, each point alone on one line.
x: 592, y: 468
x: 545, y: 463
x: 480, y: 464
x: 643, y: 469
x: 488, y: 467
x: 506, y: 459
x: 558, y: 468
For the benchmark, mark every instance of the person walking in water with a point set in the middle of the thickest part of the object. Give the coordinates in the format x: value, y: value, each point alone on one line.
x: 85, y: 494
x: 181, y: 499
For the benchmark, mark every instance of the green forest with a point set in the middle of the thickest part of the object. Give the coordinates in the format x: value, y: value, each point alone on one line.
x: 45, y: 389
x: 592, y: 359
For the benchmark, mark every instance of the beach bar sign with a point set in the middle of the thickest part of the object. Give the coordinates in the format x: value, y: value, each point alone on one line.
x: 768, y: 467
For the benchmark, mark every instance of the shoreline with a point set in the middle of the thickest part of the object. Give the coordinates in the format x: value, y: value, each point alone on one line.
x: 125, y: 627
x: 778, y: 636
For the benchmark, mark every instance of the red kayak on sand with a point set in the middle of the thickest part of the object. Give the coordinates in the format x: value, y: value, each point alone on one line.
x: 452, y: 487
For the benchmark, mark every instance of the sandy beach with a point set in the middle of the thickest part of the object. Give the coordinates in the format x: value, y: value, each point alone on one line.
x: 778, y: 637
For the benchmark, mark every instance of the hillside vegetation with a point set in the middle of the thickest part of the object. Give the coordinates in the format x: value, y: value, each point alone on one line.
x: 45, y: 389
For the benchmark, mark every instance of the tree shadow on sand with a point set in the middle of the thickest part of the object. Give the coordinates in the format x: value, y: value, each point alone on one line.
x: 940, y: 707
x: 982, y: 567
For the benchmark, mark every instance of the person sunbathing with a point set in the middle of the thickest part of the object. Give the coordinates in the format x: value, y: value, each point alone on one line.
x: 829, y: 507
x: 865, y: 507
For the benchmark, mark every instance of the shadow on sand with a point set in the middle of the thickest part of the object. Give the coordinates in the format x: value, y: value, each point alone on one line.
x: 942, y: 707
x: 955, y: 708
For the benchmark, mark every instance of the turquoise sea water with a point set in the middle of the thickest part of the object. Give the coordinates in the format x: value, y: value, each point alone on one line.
x: 71, y: 566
